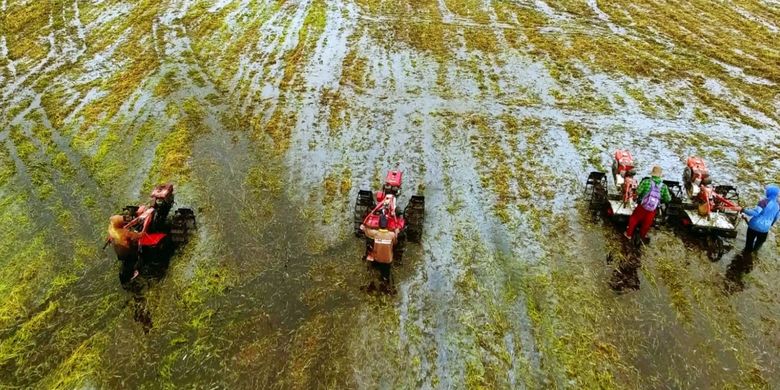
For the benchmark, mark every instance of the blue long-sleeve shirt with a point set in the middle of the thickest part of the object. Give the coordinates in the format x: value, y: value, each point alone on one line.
x: 766, y: 213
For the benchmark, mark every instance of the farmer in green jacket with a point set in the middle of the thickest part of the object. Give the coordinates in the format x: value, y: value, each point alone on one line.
x: 650, y: 194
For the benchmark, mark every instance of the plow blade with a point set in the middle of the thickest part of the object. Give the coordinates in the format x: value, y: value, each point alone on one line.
x: 363, y: 205
x: 415, y: 217
x: 596, y: 190
x: 183, y: 223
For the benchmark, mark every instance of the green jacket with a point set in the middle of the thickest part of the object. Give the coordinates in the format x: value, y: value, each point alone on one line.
x: 644, y: 189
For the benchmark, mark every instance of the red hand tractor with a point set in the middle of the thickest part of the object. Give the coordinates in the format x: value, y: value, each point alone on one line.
x: 617, y: 202
x: 158, y: 232
x: 369, y: 207
x: 705, y: 208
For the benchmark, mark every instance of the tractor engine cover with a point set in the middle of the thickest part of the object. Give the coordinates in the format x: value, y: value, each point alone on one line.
x: 624, y: 161
x: 392, y: 184
x: 393, y: 178
x: 698, y: 168
x: 164, y: 191
x: 372, y: 222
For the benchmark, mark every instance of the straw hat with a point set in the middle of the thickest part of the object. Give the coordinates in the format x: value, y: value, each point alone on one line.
x: 117, y: 221
x: 656, y: 171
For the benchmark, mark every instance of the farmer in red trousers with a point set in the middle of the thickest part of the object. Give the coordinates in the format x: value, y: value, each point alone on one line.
x: 650, y: 193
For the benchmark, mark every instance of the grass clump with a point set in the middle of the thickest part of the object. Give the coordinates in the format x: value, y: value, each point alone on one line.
x: 570, y: 320
x: 313, y: 26
x: 120, y: 87
x: 511, y: 125
x: 485, y: 301
x: 38, y: 169
x: 263, y: 181
x: 7, y: 166
x: 434, y: 37
x: 584, y: 101
x: 417, y: 24
x: 54, y: 104
x: 337, y: 185
x: 700, y: 115
x: 23, y: 24
x: 354, y: 70
x: 644, y: 103
x: 471, y: 9
x: 19, y: 282
x: 23, y: 338
x: 481, y: 39
x: 338, y: 112
x: 277, y: 131
x: 680, y: 301
x: 204, y: 24
x: 495, y: 173
x: 578, y: 134
x: 721, y: 105
x: 79, y: 368
x: 172, y: 155
x: 168, y: 84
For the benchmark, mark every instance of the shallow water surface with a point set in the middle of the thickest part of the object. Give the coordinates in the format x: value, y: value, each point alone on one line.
x: 269, y: 116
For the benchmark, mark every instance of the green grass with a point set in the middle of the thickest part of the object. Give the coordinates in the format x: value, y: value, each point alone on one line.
x: 243, y: 301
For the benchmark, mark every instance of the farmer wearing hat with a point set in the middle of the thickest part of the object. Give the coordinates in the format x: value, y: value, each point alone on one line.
x: 125, y: 243
x: 122, y: 239
x: 651, y: 193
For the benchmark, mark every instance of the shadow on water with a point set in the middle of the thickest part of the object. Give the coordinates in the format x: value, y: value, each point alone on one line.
x: 151, y: 269
x: 627, y: 260
x: 715, y: 247
x: 740, y: 266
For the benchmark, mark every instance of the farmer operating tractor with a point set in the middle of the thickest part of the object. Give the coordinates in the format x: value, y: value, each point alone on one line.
x: 385, y: 227
x: 148, y: 232
x: 696, y: 203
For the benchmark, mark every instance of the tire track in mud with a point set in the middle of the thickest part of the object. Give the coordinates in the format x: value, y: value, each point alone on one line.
x: 389, y: 142
x: 261, y: 298
x: 389, y: 135
x: 251, y: 244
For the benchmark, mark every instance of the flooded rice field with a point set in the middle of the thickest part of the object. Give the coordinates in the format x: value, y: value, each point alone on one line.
x: 269, y: 116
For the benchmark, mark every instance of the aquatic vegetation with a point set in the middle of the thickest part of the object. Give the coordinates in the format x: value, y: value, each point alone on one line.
x: 481, y: 39
x: 7, y: 166
x: 268, y: 116
x: 313, y: 26
x: 354, y: 71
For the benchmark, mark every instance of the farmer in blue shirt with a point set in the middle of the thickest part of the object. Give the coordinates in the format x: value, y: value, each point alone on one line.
x: 762, y: 218
x: 650, y: 193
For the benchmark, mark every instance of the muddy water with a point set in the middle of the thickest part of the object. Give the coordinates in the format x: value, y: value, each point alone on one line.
x: 270, y: 116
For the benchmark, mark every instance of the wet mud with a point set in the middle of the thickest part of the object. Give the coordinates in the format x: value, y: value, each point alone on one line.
x: 269, y: 116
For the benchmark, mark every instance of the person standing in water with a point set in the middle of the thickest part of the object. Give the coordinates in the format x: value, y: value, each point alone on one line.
x: 125, y: 244
x: 650, y: 194
x: 761, y: 219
